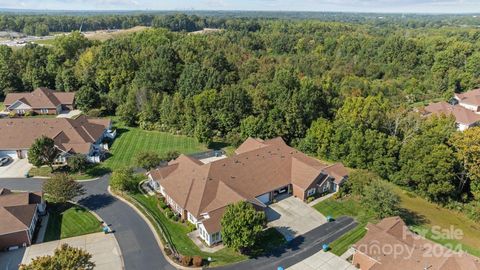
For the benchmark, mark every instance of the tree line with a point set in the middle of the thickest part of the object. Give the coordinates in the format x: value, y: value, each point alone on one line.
x: 341, y: 91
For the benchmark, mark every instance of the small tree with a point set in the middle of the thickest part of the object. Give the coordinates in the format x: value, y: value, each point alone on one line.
x: 241, y: 225
x: 43, y: 152
x: 62, y: 188
x: 170, y: 155
x: 123, y: 179
x: 77, y: 163
x: 148, y: 160
x: 65, y: 258
x: 380, y: 199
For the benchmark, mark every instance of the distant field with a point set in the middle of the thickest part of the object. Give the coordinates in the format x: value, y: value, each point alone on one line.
x: 104, y: 34
x: 131, y: 141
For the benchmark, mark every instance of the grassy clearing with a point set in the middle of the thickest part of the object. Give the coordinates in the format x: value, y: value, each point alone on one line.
x: 131, y: 141
x: 177, y: 232
x: 104, y: 34
x: 69, y: 220
x: 420, y: 215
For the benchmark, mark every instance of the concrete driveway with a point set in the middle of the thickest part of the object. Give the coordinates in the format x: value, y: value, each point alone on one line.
x: 103, y: 247
x: 323, y: 261
x: 16, y: 169
x: 292, y: 217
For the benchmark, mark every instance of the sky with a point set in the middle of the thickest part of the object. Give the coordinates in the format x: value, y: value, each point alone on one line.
x: 396, y: 6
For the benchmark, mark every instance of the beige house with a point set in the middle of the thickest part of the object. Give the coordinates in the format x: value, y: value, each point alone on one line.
x: 259, y: 172
x: 464, y: 118
x: 19, y: 214
x: 82, y: 135
x: 390, y: 245
x: 40, y: 101
x: 469, y: 100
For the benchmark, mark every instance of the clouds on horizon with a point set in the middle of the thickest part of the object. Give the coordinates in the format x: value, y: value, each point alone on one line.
x: 419, y: 6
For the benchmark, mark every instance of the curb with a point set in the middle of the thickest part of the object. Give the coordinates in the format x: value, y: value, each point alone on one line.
x: 152, y: 228
x: 101, y: 219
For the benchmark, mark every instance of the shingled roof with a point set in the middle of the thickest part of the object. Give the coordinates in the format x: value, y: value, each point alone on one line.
x: 41, y: 98
x: 471, y: 97
x: 411, y: 251
x: 462, y: 115
x: 257, y: 168
x: 17, y: 210
x: 70, y: 135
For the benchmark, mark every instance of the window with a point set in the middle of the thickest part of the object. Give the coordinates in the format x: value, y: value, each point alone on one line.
x: 44, y: 111
x: 310, y: 192
x: 326, y: 187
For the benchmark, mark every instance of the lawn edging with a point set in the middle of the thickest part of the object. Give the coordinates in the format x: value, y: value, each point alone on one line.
x: 153, y: 230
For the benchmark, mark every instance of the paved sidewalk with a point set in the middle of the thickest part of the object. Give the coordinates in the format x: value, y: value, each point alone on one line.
x: 103, y: 247
x: 323, y: 261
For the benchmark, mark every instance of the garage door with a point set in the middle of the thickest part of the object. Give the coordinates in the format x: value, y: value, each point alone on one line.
x: 265, y: 198
x: 12, y: 154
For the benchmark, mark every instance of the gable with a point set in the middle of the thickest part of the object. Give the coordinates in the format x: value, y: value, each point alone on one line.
x: 19, y: 105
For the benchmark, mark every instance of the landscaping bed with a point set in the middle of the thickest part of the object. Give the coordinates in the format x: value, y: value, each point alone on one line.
x: 69, y: 220
x: 94, y: 171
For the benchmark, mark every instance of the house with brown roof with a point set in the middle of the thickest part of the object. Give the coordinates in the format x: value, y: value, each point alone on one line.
x: 470, y: 100
x: 390, y: 245
x: 259, y: 172
x: 82, y: 135
x: 464, y: 118
x: 40, y: 101
x: 19, y: 213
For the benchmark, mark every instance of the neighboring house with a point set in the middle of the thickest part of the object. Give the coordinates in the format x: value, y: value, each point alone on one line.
x: 464, y: 118
x: 469, y: 100
x: 19, y: 214
x: 40, y: 101
x: 390, y: 245
x: 81, y: 135
x: 258, y: 173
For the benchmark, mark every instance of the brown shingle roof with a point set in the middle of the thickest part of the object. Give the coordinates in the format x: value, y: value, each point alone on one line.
x: 41, y: 98
x: 259, y: 167
x: 411, y: 251
x: 471, y: 97
x: 17, y: 210
x: 69, y: 134
x: 462, y: 115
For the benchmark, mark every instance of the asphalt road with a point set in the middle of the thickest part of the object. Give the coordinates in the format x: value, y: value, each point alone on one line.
x: 137, y: 242
x: 140, y: 249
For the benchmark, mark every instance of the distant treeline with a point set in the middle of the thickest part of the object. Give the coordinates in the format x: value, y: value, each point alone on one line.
x: 43, y: 22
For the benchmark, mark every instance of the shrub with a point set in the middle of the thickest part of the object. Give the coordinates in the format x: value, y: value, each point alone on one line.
x: 162, y: 204
x: 187, y: 260
x: 12, y: 114
x: 167, y: 251
x: 29, y: 113
x: 310, y: 199
x: 175, y: 218
x: 197, y: 261
x: 191, y: 227
x: 168, y: 213
x: 94, y: 113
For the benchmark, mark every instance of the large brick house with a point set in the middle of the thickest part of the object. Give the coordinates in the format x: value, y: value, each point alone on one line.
x: 82, y: 135
x: 40, y: 101
x: 19, y: 213
x: 258, y: 173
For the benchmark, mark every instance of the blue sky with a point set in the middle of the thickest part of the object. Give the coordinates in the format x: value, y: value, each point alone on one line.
x: 418, y: 6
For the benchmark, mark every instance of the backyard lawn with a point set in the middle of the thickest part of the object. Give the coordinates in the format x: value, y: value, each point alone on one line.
x: 420, y: 215
x: 69, y: 220
x: 131, y: 141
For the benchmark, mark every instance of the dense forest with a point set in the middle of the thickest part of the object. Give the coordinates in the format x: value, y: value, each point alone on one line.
x: 339, y: 90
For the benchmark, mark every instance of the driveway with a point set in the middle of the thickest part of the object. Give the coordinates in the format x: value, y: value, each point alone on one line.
x: 292, y: 217
x: 16, y: 169
x: 103, y: 247
x: 69, y: 114
x: 323, y: 261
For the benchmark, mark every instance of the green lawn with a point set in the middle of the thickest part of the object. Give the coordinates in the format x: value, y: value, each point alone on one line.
x: 92, y: 172
x: 68, y: 220
x: 420, y: 215
x: 345, y: 207
x: 178, y: 235
x: 131, y: 141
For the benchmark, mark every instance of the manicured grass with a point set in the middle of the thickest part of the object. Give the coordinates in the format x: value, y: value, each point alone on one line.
x: 131, y: 141
x: 68, y: 220
x: 345, y: 207
x: 177, y: 232
x: 92, y: 172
